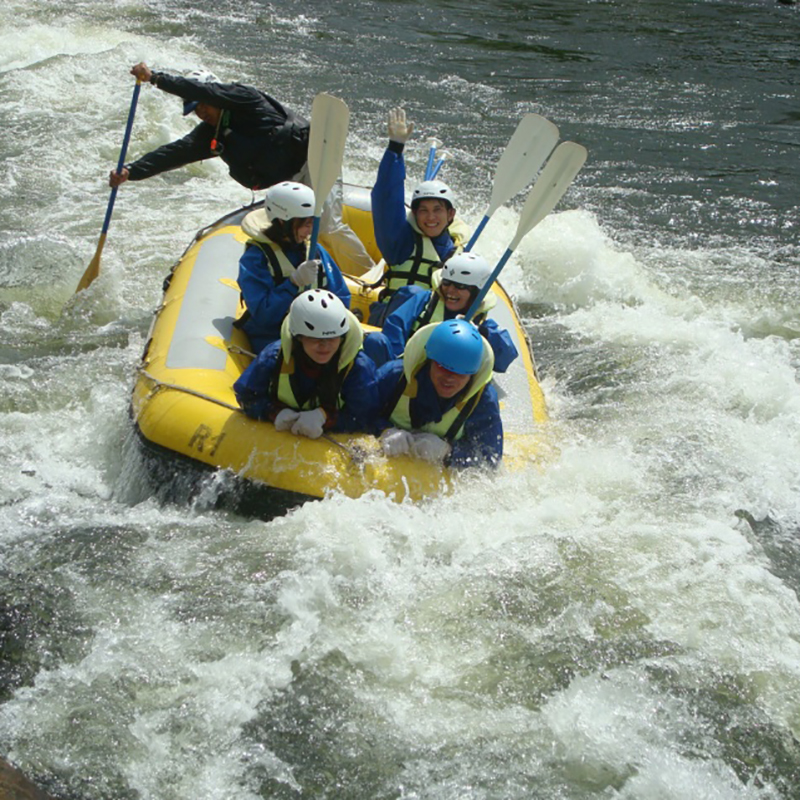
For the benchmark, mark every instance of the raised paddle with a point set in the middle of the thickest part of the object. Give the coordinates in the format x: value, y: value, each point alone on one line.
x: 558, y: 174
x: 93, y: 270
x: 433, y: 143
x: 330, y: 118
x: 525, y: 153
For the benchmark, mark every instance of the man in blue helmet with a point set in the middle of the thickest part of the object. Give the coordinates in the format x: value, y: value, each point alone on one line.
x: 438, y: 402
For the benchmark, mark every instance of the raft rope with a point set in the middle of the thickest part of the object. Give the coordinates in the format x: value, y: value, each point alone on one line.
x: 357, y: 455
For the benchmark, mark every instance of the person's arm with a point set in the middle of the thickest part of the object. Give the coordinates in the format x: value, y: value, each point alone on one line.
x: 267, y: 303
x: 407, y: 304
x: 195, y: 146
x: 359, y: 411
x: 252, y: 389
x: 501, y: 343
x: 228, y: 96
x: 482, y: 442
x: 393, y: 234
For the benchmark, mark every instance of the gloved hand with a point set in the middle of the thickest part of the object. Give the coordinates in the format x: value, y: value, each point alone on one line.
x: 429, y: 447
x: 285, y: 419
x: 396, y: 442
x: 399, y: 130
x: 306, y: 273
x: 309, y: 423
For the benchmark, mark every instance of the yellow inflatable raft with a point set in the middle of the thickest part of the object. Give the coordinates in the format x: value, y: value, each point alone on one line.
x: 184, y: 408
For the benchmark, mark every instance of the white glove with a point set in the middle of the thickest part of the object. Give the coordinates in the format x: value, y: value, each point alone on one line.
x: 286, y: 419
x: 399, y: 130
x: 396, y: 442
x: 429, y: 447
x: 306, y: 273
x: 309, y: 423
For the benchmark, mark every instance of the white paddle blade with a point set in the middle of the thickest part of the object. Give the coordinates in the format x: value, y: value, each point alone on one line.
x: 330, y: 118
x: 558, y: 174
x: 525, y: 153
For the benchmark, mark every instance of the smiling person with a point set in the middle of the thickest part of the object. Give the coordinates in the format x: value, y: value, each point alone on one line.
x: 316, y: 378
x: 437, y: 401
x: 275, y: 267
x: 455, y: 286
x: 415, y: 243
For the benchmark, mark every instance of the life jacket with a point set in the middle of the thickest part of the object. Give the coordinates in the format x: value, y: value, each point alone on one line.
x: 451, y: 425
x: 417, y: 268
x: 434, y: 309
x: 279, y: 265
x: 285, y: 388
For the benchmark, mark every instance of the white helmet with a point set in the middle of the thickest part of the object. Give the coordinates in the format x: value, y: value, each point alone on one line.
x: 467, y: 268
x: 201, y: 76
x: 318, y: 313
x: 433, y: 190
x: 289, y: 200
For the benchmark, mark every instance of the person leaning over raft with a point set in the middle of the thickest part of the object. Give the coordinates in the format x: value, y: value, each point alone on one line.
x: 455, y: 286
x: 275, y: 267
x: 437, y: 400
x: 261, y: 141
x: 315, y: 378
x: 411, y: 244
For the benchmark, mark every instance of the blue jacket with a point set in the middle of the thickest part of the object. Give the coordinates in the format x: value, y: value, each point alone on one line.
x: 269, y: 303
x: 359, y: 392
x: 393, y: 233
x: 482, y: 440
x: 406, y: 307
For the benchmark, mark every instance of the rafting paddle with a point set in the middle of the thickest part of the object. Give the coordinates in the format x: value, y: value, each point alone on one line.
x: 93, y: 270
x: 433, y: 143
x: 330, y: 118
x: 525, y: 153
x: 558, y: 174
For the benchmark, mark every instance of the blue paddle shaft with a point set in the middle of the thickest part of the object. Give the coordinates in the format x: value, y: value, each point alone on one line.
x: 312, y: 247
x: 473, y: 309
x: 121, y: 163
x: 429, y: 165
x: 478, y: 230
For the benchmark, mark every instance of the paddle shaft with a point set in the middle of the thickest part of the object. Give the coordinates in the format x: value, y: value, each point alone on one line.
x: 93, y: 270
x: 558, y: 174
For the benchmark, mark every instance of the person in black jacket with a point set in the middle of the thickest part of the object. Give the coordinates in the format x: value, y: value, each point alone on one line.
x: 261, y: 141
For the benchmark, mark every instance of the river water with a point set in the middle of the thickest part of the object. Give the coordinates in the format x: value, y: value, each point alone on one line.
x: 621, y: 622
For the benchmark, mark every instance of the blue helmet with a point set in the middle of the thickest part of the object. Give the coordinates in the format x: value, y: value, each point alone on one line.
x: 457, y: 346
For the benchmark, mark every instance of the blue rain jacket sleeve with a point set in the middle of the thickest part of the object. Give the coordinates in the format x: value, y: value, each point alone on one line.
x: 388, y: 343
x: 359, y: 392
x: 501, y: 342
x: 482, y: 440
x: 269, y: 303
x: 252, y: 389
x: 393, y: 233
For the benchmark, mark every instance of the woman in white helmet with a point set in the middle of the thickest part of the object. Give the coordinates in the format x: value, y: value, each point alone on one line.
x: 454, y: 288
x: 275, y: 267
x: 412, y: 244
x: 316, y: 377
